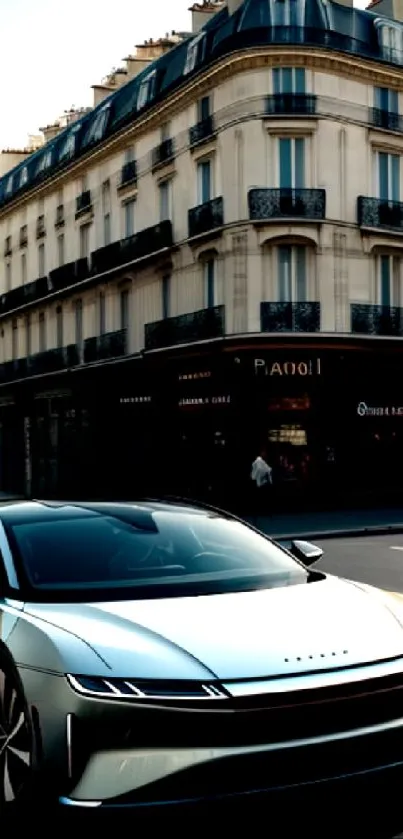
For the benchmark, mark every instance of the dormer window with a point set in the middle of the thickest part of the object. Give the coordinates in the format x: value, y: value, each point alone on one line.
x: 9, y: 185
x: 24, y: 176
x: 68, y: 147
x: 390, y: 35
x: 195, y: 52
x: 98, y: 125
x: 288, y: 13
x: 146, y: 91
x: 45, y: 162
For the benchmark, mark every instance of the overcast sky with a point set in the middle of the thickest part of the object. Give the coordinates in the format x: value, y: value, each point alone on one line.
x: 52, y: 52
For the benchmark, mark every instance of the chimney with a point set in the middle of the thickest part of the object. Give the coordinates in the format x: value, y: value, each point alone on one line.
x: 392, y: 9
x: 203, y: 12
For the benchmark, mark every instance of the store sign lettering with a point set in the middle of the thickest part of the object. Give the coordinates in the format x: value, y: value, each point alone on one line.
x: 288, y: 368
x: 205, y: 400
x: 135, y: 400
x: 364, y: 410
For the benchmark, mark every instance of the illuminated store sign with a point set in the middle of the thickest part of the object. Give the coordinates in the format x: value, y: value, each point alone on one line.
x: 311, y: 367
x: 204, y: 400
x: 364, y: 410
x: 195, y: 377
x: 135, y: 400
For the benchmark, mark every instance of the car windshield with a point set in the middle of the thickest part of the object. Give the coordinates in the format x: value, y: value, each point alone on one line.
x: 156, y: 554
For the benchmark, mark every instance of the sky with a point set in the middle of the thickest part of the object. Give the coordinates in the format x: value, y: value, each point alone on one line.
x: 52, y: 52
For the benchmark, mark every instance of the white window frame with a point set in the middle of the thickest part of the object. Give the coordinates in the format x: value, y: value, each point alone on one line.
x: 146, y: 91
x: 126, y: 204
x: 68, y: 148
x: 390, y: 34
x: 24, y: 176
x: 292, y: 279
x: 165, y: 185
x: 45, y: 162
x: 97, y: 128
x: 395, y: 279
x: 192, y: 51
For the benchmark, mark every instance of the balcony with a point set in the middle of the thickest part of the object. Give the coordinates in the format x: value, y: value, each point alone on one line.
x: 23, y: 237
x: 103, y: 347
x: 385, y: 120
x: 290, y: 317
x: 51, y: 361
x: 291, y: 104
x: 83, y: 203
x: 106, y: 258
x: 204, y: 325
x: 146, y: 242
x: 273, y: 204
x: 202, y: 131
x: 23, y: 295
x: 163, y: 154
x: 59, y: 216
x: 376, y: 320
x: 128, y: 174
x: 68, y: 275
x: 206, y: 217
x: 40, y: 227
x: 376, y: 212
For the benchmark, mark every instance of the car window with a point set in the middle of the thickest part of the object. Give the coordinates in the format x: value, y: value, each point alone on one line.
x: 165, y: 550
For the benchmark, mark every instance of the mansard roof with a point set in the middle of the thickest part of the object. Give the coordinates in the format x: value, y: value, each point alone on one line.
x: 256, y: 23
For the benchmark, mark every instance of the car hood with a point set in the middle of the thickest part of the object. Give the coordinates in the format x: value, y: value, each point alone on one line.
x: 273, y: 632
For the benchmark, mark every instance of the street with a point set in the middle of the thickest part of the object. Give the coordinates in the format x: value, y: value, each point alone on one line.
x: 376, y: 560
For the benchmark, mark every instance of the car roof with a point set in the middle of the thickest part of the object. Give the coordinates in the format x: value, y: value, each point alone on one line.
x: 19, y: 512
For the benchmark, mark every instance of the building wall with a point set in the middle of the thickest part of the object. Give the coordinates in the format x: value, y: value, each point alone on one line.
x: 342, y: 263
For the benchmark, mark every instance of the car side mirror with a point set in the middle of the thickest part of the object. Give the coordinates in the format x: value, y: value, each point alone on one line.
x: 306, y: 552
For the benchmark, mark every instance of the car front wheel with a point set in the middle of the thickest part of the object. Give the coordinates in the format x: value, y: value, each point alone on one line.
x: 16, y: 741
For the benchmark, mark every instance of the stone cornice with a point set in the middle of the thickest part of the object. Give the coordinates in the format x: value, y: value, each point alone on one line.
x: 337, y: 63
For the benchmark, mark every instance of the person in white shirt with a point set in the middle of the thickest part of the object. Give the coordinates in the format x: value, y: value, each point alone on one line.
x: 262, y: 476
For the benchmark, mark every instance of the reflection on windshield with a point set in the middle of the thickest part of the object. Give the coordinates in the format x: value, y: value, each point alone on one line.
x: 106, y: 552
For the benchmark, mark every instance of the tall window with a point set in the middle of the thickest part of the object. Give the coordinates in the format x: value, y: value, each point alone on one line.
x: 204, y: 181
x: 8, y: 276
x: 386, y: 100
x: 28, y: 338
x: 124, y: 308
x: 23, y: 268
x: 165, y: 200
x: 129, y: 218
x: 42, y: 332
x: 291, y: 268
x: 166, y: 296
x: 59, y: 327
x: 388, y: 176
x: 14, y: 342
x: 129, y: 154
x: 106, y: 210
x: 203, y: 109
x: 41, y: 261
x: 209, y: 269
x: 289, y: 80
x: 60, y: 250
x: 292, y: 162
x: 78, y: 317
x: 388, y: 280
x: 102, y: 313
x: 84, y: 241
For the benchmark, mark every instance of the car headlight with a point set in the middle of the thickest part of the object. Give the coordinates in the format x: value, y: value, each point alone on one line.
x: 98, y: 687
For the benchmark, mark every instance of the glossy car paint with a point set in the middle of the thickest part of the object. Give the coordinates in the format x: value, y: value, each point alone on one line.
x: 301, y: 637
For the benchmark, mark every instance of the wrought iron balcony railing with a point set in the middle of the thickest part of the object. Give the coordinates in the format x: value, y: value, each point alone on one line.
x: 386, y: 120
x: 59, y: 215
x: 106, y: 258
x: 102, y: 347
x: 128, y: 174
x: 203, y: 325
x: 290, y: 317
x: 206, y: 217
x: 202, y: 131
x: 265, y: 204
x: 83, y: 203
x: 68, y: 274
x: 50, y: 361
x: 163, y: 153
x: 292, y: 104
x: 376, y: 212
x: 367, y: 319
x: 40, y: 227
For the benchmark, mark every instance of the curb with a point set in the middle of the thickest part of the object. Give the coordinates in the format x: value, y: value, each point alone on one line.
x: 381, y: 530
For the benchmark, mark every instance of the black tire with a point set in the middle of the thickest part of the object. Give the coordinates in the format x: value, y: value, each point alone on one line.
x: 17, y: 742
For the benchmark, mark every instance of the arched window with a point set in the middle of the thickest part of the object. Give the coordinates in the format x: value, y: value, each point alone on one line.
x: 390, y: 36
x: 45, y: 162
x: 24, y: 176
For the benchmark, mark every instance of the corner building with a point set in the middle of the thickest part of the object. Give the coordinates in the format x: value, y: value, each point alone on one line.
x: 211, y: 260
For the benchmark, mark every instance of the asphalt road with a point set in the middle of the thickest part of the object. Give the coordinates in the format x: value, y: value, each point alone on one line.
x: 377, y: 561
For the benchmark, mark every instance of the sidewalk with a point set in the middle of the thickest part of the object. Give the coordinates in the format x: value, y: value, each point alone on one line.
x: 334, y: 523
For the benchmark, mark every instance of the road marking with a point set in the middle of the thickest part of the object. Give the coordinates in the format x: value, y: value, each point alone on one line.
x: 396, y: 547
